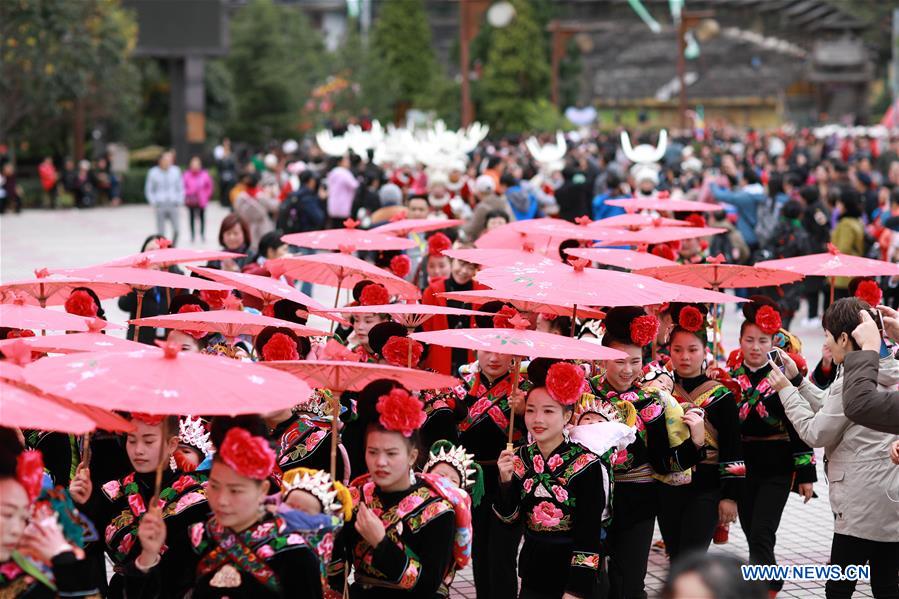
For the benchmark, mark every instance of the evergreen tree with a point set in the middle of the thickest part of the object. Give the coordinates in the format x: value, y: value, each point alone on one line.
x: 516, y: 73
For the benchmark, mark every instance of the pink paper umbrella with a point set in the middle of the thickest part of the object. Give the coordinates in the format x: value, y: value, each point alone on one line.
x: 21, y: 316
x: 335, y: 239
x: 76, y: 343
x: 340, y: 270
x: 493, y: 257
x: 522, y: 302
x: 53, y: 290
x: 268, y: 289
x: 628, y: 259
x: 721, y: 276
x: 411, y: 315
x: 663, y: 204
x: 653, y: 235
x: 167, y: 257
x: 508, y: 238
x: 554, y: 227
x: 230, y: 323
x: 637, y: 221
x: 143, y: 279
x: 405, y: 226
x: 167, y: 382
x: 833, y: 263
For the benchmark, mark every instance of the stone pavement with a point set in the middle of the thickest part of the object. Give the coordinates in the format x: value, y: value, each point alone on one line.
x: 70, y: 238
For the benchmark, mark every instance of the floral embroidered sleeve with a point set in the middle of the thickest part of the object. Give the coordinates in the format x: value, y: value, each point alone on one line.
x: 724, y: 417
x: 586, y: 556
x: 507, y: 506
x: 803, y: 457
x: 422, y: 569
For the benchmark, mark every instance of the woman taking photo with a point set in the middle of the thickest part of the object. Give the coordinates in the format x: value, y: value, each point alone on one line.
x: 400, y: 542
x: 689, y: 513
x: 776, y: 458
x: 556, y: 487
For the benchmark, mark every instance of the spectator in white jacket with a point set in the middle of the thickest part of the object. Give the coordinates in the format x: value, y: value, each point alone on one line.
x: 164, y: 190
x: 857, y: 459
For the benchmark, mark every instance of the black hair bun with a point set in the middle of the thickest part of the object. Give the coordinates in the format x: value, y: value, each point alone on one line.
x: 756, y: 303
x: 265, y: 335
x: 186, y: 299
x: 618, y: 322
x: 380, y: 334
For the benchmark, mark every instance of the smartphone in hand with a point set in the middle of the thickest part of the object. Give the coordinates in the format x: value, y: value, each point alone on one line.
x: 774, y: 356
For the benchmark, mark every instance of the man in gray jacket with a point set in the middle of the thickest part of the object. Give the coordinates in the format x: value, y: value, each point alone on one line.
x: 862, y: 402
x: 164, y: 190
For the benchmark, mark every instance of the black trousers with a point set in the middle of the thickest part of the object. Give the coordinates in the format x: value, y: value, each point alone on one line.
x: 198, y: 213
x: 630, y: 538
x: 494, y: 553
x: 882, y: 557
x: 687, y: 518
x: 760, y: 507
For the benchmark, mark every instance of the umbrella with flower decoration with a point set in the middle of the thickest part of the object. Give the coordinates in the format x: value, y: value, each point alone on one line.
x: 627, y: 259
x: 230, y: 323
x: 520, y: 342
x: 19, y: 315
x: 652, y: 235
x: 662, y: 202
x: 72, y: 343
x: 403, y: 227
x: 359, y: 239
x: 833, y: 263
x: 637, y: 221
x: 555, y: 227
x: 523, y: 302
x: 168, y: 256
x: 498, y: 257
x: 48, y: 289
x: 410, y: 316
x: 341, y: 371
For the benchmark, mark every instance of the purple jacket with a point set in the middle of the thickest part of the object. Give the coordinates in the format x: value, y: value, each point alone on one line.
x: 197, y: 188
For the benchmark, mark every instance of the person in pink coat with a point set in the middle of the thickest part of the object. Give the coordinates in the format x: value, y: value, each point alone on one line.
x: 197, y: 191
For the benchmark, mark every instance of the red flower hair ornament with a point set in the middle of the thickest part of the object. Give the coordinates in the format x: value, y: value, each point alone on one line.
x: 148, y: 419
x: 503, y: 318
x: 869, y: 291
x: 81, y: 303
x: 374, y: 295
x: 768, y: 320
x: 400, y: 265
x: 564, y: 382
x: 214, y: 297
x: 188, y: 309
x: 401, y: 413
x: 247, y: 455
x: 696, y: 220
x: 30, y: 472
x: 280, y: 347
x: 663, y: 250
x: 644, y: 330
x: 437, y: 244
x: 397, y: 351
x: 690, y: 319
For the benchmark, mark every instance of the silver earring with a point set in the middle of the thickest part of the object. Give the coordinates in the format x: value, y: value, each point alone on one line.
x: 172, y: 464
x: 411, y: 476
x: 565, y: 435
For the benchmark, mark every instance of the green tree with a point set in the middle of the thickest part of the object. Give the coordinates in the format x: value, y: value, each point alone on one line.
x: 275, y: 57
x: 58, y: 54
x: 516, y: 73
x: 402, y: 40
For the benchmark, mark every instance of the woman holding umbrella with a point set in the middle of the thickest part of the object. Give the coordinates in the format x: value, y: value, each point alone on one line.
x: 155, y: 300
x: 408, y: 529
x: 777, y: 460
x: 690, y: 513
x: 636, y: 498
x: 556, y: 487
x: 120, y: 507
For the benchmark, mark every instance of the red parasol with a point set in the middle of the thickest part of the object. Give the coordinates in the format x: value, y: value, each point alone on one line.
x: 268, y: 289
x: 167, y: 257
x: 663, y: 204
x: 628, y: 259
x: 410, y: 315
x: 54, y: 290
x: 523, y: 302
x: 500, y: 257
x: 230, y: 323
x: 405, y: 226
x: 833, y: 263
x: 166, y: 382
x: 652, y: 235
x: 637, y: 221
x: 336, y: 239
x: 21, y: 316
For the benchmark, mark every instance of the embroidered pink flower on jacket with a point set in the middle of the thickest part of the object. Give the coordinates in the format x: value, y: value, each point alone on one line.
x: 546, y: 514
x: 538, y: 464
x: 560, y: 493
x: 554, y: 462
x: 409, y: 503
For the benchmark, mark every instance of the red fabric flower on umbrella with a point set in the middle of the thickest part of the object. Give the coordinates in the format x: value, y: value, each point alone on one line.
x: 189, y: 308
x: 374, y: 295
x: 396, y: 351
x: 696, y: 220
x: 81, y: 303
x: 401, y: 413
x: 280, y: 347
x: 768, y: 320
x: 247, y: 455
x: 644, y: 329
x: 400, y: 265
x: 690, y: 319
x: 869, y: 291
x: 437, y: 244
x: 215, y: 299
x: 148, y: 419
x: 350, y: 223
x: 663, y: 250
x: 564, y: 382
x: 503, y: 318
x: 30, y: 472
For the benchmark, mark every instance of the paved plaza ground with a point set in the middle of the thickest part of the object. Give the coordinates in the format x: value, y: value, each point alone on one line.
x: 70, y: 238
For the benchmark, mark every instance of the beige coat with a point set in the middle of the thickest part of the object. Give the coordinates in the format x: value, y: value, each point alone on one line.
x: 857, y: 460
